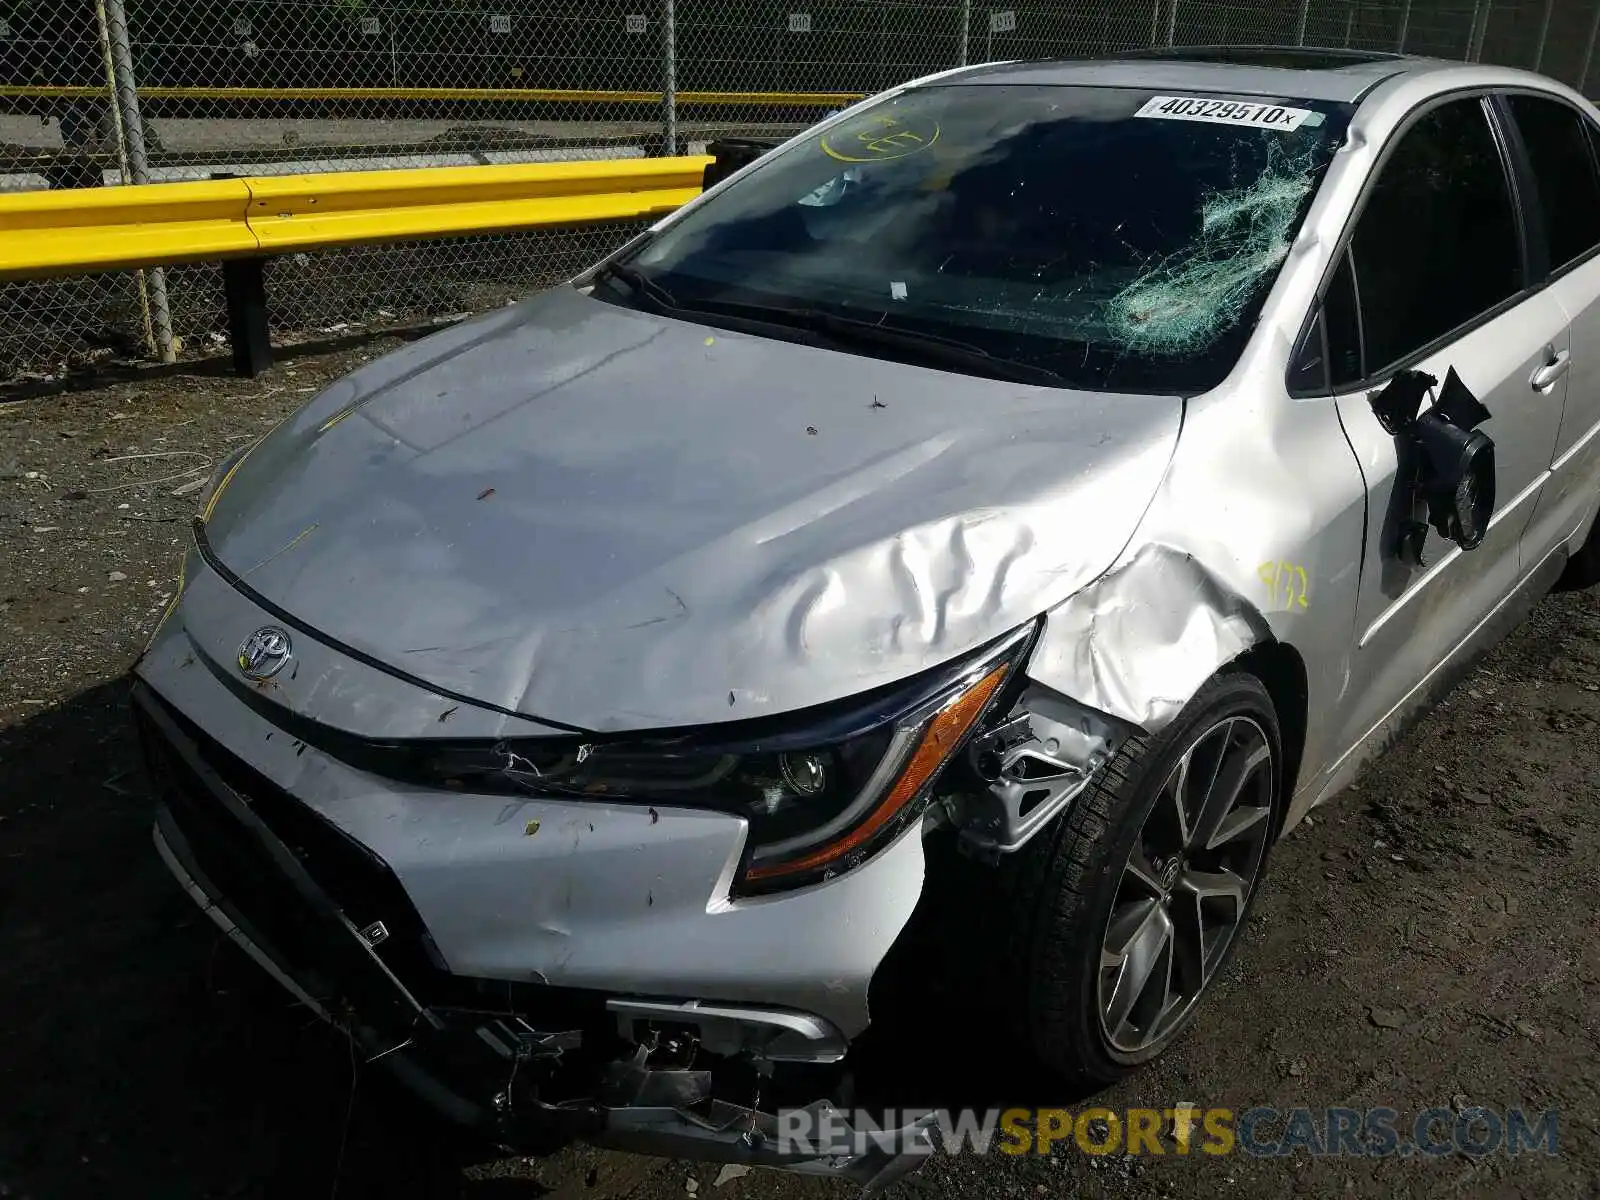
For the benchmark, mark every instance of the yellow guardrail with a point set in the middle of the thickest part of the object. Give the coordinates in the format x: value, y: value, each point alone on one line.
x: 99, y: 229
x: 546, y: 95
x: 298, y: 212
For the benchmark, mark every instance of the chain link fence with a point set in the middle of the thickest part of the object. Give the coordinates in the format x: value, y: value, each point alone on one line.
x: 230, y: 87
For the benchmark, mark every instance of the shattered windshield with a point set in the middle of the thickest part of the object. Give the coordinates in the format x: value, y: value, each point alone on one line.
x: 1118, y: 238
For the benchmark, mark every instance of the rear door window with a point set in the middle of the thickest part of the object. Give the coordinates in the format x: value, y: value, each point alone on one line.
x: 1564, y: 170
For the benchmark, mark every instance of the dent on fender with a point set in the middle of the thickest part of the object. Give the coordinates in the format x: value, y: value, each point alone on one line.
x: 1125, y: 653
x: 1138, y: 643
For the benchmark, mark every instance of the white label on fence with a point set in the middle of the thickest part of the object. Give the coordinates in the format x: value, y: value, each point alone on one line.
x: 1224, y: 112
x: 371, y: 25
x: 799, y: 22
x: 242, y: 26
x: 5, y: 28
x: 499, y: 24
x: 635, y: 23
x: 1003, y: 22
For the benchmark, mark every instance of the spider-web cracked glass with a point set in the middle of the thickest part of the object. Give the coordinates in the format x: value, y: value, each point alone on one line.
x: 1084, y: 231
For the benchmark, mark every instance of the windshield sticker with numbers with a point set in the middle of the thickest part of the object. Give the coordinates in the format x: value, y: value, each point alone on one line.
x: 1227, y: 112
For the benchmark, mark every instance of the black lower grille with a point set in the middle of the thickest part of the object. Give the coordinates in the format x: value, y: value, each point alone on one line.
x: 358, y: 882
x: 237, y: 841
x: 302, y: 889
x: 232, y: 818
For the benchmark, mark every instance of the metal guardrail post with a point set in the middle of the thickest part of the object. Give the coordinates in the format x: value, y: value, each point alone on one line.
x: 244, y: 287
x: 130, y: 131
x: 244, y: 296
x: 669, y: 83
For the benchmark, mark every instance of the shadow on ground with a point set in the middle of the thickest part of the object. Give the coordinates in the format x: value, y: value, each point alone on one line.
x: 144, y: 1054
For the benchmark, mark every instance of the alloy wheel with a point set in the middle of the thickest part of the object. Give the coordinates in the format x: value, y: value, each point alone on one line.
x: 1182, y: 894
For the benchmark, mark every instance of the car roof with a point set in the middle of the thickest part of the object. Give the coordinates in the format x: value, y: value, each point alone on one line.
x: 1309, y: 73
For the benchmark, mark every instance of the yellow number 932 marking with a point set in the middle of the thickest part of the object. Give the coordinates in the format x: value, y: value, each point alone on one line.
x: 1286, y: 583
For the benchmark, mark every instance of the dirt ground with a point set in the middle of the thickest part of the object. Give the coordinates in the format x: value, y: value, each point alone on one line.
x: 1431, y: 938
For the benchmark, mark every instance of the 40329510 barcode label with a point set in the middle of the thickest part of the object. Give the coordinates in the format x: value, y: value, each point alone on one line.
x: 1228, y: 112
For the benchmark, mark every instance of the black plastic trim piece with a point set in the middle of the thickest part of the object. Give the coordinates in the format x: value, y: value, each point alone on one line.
x: 330, y: 939
x: 1524, y: 192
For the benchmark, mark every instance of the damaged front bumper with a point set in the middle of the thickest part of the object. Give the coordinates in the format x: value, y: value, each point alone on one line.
x: 528, y: 1064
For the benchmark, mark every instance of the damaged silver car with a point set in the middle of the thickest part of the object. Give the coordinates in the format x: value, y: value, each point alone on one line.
x: 1072, y: 470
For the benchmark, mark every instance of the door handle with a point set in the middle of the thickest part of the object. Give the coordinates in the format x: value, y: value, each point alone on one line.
x: 1546, y: 376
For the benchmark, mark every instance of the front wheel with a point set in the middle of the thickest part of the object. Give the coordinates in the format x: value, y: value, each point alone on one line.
x: 1126, y: 913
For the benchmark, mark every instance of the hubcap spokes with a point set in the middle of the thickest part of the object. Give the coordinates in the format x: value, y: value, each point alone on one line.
x: 1182, y: 893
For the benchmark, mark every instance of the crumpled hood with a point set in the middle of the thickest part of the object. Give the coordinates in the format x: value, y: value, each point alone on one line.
x: 621, y: 521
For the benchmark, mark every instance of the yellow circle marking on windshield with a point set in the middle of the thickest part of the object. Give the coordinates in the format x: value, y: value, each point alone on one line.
x: 880, y: 139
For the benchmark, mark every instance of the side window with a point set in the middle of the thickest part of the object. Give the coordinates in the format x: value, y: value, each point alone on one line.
x: 1437, y: 243
x: 1329, y: 352
x: 1308, y: 366
x: 1342, y: 318
x: 1564, y: 169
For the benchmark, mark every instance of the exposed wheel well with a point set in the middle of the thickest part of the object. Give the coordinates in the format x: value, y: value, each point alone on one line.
x: 1282, y: 672
x: 1583, y: 566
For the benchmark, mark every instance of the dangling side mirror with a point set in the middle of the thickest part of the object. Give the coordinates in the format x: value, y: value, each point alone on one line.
x: 1446, y: 462
x: 1457, y: 479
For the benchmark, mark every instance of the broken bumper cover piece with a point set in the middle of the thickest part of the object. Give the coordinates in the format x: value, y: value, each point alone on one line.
x: 524, y: 1077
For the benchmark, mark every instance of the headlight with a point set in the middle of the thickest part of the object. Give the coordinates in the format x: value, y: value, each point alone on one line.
x: 820, y: 795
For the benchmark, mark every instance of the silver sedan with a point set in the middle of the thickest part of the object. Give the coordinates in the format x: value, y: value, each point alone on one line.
x: 1072, y: 472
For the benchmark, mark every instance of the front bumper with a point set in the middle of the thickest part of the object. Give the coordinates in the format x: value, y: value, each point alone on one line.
x: 576, y: 893
x: 528, y: 1064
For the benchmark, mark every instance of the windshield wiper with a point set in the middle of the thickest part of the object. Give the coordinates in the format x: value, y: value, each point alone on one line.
x: 923, y: 347
x: 639, y: 283
x: 839, y: 330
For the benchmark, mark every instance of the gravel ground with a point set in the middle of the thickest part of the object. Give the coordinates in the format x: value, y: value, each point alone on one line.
x: 1428, y: 939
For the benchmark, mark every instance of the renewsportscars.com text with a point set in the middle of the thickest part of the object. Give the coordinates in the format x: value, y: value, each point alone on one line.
x: 1183, y: 1129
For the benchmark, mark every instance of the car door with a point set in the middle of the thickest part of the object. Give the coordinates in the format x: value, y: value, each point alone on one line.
x: 1559, y: 145
x: 1437, y: 275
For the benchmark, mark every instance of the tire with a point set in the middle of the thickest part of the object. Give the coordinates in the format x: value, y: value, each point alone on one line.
x: 1062, y: 891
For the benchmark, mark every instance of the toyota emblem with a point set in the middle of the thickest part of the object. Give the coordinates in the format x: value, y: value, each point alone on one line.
x: 264, y: 652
